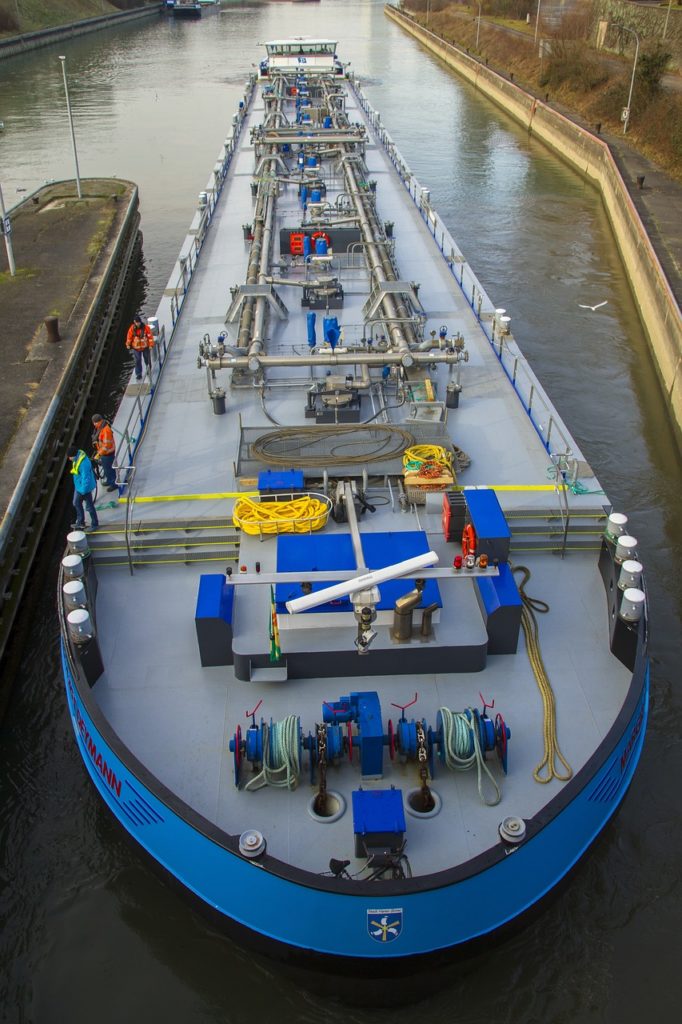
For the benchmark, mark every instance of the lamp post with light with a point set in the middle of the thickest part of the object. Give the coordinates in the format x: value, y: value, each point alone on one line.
x: 6, y: 230
x: 626, y: 112
x: 537, y: 22
x: 73, y: 134
x: 478, y: 24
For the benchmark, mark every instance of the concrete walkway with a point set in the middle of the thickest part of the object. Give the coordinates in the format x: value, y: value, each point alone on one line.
x: 57, y: 242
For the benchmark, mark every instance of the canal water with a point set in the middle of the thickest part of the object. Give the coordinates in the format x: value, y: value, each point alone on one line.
x: 88, y: 932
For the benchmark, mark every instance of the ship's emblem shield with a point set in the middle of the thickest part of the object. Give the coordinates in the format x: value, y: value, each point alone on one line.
x: 385, y: 925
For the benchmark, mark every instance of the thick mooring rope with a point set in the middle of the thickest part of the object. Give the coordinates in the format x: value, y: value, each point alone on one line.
x: 462, y: 748
x: 281, y: 764
x: 546, y: 769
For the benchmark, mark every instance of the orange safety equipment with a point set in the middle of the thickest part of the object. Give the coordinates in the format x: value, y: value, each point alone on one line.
x: 296, y: 243
x: 468, y: 540
x: 139, y: 337
x: 320, y: 234
x: 104, y: 442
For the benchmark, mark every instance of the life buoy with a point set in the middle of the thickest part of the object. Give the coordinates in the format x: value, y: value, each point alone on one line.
x: 468, y: 540
x: 320, y: 234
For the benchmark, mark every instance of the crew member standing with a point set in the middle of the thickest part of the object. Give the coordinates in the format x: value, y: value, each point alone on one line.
x: 141, y: 340
x: 84, y: 484
x: 105, y: 449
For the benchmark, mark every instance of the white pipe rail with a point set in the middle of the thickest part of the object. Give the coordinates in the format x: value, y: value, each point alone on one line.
x: 364, y: 582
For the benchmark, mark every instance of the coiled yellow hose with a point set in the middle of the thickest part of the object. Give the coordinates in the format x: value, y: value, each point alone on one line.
x: 299, y: 515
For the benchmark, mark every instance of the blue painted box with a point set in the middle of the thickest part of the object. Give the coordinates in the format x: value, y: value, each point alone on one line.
x: 378, y: 821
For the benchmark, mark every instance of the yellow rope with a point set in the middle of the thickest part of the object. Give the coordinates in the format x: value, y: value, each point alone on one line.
x: 418, y: 454
x: 552, y: 753
x: 300, y: 515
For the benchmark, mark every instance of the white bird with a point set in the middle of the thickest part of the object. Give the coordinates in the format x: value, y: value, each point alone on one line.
x: 599, y: 304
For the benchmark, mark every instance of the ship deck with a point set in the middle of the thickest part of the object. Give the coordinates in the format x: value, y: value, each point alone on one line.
x: 178, y: 718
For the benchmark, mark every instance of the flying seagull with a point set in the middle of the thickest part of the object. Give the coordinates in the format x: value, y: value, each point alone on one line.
x: 604, y: 303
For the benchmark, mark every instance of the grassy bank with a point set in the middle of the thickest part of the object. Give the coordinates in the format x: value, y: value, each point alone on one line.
x: 19, y: 16
x: 593, y: 84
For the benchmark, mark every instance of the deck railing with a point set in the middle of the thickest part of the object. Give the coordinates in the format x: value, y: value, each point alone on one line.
x: 512, y: 361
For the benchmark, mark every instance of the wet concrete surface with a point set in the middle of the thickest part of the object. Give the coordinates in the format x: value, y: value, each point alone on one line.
x: 61, y: 246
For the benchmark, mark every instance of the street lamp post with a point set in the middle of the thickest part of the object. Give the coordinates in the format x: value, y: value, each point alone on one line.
x: 537, y: 22
x: 73, y: 134
x: 478, y: 24
x: 7, y: 232
x: 626, y: 114
x: 667, y: 15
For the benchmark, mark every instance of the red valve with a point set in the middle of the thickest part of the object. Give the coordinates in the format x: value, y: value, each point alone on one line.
x: 401, y: 707
x: 250, y: 714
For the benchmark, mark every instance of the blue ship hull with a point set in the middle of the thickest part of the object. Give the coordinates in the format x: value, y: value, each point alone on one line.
x: 485, y: 895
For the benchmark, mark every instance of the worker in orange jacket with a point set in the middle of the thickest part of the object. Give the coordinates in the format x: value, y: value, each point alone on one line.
x: 105, y: 449
x: 141, y: 340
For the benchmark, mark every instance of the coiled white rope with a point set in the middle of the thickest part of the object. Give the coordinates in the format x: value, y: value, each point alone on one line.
x: 460, y: 735
x: 281, y: 763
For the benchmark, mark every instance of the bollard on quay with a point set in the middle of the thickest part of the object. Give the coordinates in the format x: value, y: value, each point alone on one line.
x: 52, y: 328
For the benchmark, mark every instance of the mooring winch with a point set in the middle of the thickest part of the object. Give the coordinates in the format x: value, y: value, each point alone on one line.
x: 461, y: 739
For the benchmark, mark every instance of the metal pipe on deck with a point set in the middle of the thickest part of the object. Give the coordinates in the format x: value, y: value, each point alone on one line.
x: 353, y: 527
x: 252, y: 318
x: 379, y: 263
x: 328, y: 359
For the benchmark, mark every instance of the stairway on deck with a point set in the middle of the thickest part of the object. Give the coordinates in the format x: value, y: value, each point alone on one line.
x: 535, y: 529
x: 165, y: 541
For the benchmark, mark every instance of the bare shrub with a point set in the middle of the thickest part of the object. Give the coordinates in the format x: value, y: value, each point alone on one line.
x: 651, y: 68
x: 514, y: 10
x: 570, y: 63
x: 8, y: 22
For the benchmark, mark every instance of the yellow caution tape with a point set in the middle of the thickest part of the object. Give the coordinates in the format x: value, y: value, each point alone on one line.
x: 142, y: 499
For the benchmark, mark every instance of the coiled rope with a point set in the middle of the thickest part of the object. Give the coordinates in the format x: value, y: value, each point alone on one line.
x: 551, y: 753
x: 281, y: 763
x: 462, y: 748
x: 428, y: 460
x: 296, y: 445
x: 300, y: 515
x: 576, y: 487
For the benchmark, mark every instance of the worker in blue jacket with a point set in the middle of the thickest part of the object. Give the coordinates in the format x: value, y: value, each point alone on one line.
x: 84, y: 484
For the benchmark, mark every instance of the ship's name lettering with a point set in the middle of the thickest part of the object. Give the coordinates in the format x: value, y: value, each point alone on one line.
x: 625, y: 756
x: 94, y: 754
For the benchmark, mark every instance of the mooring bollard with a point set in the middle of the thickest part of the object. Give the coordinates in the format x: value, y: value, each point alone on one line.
x: 640, y: 181
x: 52, y: 328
